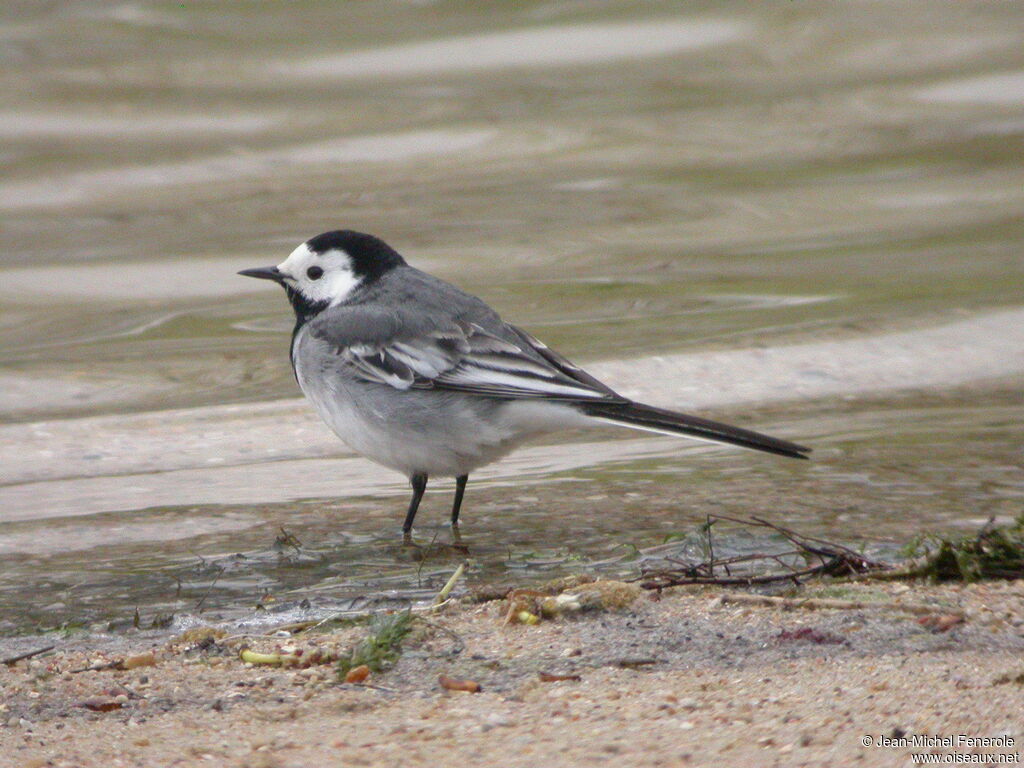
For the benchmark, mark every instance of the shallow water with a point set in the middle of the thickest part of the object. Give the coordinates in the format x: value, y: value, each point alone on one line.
x: 801, y: 218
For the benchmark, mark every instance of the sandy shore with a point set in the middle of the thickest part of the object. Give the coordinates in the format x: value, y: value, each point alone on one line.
x: 687, y: 679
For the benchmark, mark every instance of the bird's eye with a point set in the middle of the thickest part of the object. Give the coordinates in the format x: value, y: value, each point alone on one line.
x: 314, y: 273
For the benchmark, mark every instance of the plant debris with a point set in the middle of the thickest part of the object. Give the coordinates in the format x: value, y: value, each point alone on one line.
x: 995, y: 552
x: 635, y: 663
x: 102, y: 705
x: 446, y: 590
x: 528, y: 606
x: 1017, y: 679
x: 357, y: 674
x: 381, y: 647
x: 199, y: 635
x: 301, y: 658
x: 548, y: 677
x: 10, y: 662
x: 803, y: 557
x: 147, y: 659
x: 451, y: 684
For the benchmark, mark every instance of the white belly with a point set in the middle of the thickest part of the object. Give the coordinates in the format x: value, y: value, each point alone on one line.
x: 435, y: 432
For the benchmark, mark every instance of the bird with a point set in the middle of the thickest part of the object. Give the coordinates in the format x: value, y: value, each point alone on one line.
x: 419, y: 376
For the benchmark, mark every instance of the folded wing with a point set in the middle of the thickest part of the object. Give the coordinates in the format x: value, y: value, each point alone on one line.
x: 461, y: 355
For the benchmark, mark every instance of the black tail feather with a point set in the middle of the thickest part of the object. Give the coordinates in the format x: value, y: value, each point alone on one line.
x: 649, y: 417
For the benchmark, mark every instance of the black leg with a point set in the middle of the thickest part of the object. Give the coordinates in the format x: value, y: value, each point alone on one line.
x: 460, y: 490
x: 419, y: 485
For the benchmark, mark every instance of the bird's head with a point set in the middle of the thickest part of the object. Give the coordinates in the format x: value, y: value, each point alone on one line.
x: 326, y: 269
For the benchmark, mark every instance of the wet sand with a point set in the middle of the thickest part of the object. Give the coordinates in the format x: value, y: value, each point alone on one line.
x: 803, y: 219
x: 685, y: 680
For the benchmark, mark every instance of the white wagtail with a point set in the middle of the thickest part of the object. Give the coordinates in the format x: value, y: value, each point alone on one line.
x: 414, y: 374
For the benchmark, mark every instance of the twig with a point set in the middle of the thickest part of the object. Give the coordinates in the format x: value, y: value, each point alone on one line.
x: 209, y: 589
x: 98, y: 667
x: 711, y: 549
x: 832, y: 559
x: 298, y: 626
x: 373, y: 687
x: 668, y: 580
x: 423, y: 560
x: 21, y: 657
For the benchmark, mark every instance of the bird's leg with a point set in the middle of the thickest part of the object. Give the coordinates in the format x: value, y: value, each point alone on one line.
x: 460, y: 490
x: 419, y: 485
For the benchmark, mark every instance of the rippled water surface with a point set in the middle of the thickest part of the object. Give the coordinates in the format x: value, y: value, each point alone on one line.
x: 801, y: 217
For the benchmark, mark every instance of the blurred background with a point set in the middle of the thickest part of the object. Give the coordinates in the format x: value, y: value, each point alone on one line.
x: 801, y: 217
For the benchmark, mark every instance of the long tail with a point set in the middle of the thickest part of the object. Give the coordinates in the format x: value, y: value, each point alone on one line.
x: 647, y: 417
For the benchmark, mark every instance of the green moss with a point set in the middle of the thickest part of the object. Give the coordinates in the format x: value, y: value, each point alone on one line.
x: 381, y: 648
x: 994, y: 553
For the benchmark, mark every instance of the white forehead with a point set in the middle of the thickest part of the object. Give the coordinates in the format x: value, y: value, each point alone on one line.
x: 333, y: 285
x: 302, y: 258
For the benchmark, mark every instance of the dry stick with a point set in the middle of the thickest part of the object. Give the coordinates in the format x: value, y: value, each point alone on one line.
x: 662, y: 579
x: 820, y: 603
x: 832, y: 557
x: 711, y: 549
x: 670, y: 581
x: 797, y: 538
x: 297, y: 626
x: 21, y: 657
x: 199, y: 605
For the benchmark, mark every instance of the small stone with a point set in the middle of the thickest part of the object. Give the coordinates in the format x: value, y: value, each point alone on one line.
x: 139, y: 660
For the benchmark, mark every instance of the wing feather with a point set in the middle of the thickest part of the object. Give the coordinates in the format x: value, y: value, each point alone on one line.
x: 460, y: 356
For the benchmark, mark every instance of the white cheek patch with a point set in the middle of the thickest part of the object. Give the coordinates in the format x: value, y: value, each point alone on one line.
x: 338, y: 284
x: 333, y: 287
